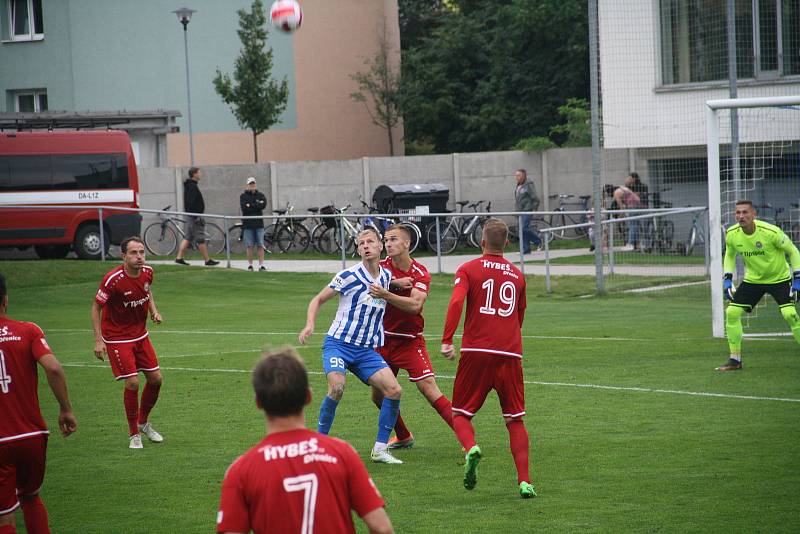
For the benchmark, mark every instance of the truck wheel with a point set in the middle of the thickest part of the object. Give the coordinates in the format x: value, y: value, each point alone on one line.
x: 87, y: 242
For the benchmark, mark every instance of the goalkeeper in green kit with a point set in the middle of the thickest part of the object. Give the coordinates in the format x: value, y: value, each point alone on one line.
x: 764, y: 248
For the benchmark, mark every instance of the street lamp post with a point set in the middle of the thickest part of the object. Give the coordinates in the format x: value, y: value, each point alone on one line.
x: 184, y: 16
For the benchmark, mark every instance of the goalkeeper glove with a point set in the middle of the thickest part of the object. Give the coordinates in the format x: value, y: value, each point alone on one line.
x: 795, y: 292
x: 727, y: 286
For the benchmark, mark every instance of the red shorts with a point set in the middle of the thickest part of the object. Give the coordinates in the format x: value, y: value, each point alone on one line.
x: 409, y: 354
x: 478, y: 373
x: 127, y: 359
x: 22, y: 465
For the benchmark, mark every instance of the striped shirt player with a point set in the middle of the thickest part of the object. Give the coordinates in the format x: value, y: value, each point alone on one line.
x: 23, y: 432
x: 119, y: 318
x: 491, y: 349
x: 764, y: 249
x: 352, y: 338
x: 404, y: 324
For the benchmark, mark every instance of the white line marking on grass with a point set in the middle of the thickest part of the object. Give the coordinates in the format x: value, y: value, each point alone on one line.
x: 665, y: 286
x: 528, y: 382
x: 235, y: 333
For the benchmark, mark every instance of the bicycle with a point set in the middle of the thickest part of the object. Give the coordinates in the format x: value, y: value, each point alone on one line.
x: 161, y: 238
x: 697, y: 233
x: 288, y: 234
x: 558, y: 220
x: 329, y: 240
x: 457, y: 230
x: 658, y: 232
x: 381, y: 224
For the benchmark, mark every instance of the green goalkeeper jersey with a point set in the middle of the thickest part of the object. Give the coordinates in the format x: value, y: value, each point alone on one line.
x: 764, y: 253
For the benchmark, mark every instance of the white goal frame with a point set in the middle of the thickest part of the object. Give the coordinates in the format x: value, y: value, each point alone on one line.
x: 714, y: 191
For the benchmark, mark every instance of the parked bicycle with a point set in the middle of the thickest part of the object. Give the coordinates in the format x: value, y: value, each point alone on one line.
x: 558, y: 220
x: 380, y: 224
x: 658, y: 232
x: 162, y: 238
x: 459, y: 229
x: 329, y: 240
x: 697, y: 233
x: 290, y: 235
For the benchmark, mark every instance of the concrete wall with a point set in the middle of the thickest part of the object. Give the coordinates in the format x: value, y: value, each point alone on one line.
x: 476, y: 176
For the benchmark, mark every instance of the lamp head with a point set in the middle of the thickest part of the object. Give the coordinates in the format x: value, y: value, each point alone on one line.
x: 184, y: 15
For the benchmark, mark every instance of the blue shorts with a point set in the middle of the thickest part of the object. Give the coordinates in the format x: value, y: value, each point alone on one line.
x: 339, y: 357
x: 253, y: 237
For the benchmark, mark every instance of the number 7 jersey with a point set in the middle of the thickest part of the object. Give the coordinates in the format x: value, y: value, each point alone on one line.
x: 495, y: 292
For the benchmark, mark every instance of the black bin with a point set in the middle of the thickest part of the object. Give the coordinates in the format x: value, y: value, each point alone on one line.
x: 405, y: 198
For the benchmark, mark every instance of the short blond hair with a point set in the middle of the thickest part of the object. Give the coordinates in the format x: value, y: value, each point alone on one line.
x: 495, y: 234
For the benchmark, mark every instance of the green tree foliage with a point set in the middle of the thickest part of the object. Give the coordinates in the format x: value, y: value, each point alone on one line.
x: 492, y: 72
x: 379, y: 90
x: 578, y: 125
x: 256, y: 98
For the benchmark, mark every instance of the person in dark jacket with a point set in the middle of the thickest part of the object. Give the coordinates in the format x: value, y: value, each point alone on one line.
x: 252, y: 202
x: 195, y: 227
x: 526, y: 199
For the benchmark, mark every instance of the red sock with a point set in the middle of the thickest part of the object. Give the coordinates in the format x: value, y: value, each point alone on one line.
x: 445, y: 409
x: 131, y: 399
x: 519, y: 449
x: 149, y: 398
x: 465, y: 433
x: 35, y: 515
x: 401, y: 431
x: 8, y: 529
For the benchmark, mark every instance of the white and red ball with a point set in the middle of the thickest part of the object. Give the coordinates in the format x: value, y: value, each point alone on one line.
x: 286, y: 15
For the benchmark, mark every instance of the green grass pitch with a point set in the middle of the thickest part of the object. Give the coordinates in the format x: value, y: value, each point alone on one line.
x: 651, y: 453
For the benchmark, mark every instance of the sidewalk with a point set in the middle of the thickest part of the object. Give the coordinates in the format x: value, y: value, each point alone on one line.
x: 451, y: 263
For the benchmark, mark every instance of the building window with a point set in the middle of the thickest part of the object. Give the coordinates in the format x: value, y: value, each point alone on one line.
x: 694, y: 40
x: 25, y: 20
x: 33, y: 101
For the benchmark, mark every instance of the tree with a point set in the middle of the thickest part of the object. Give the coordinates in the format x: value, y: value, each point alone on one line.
x: 257, y: 100
x: 492, y: 72
x: 379, y: 90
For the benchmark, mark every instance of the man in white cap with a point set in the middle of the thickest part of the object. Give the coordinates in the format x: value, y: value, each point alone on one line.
x: 253, y: 202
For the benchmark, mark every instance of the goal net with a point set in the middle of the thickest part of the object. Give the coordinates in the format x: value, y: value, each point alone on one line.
x: 754, y: 154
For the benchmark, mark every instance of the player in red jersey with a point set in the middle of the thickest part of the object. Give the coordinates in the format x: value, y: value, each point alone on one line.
x: 403, y: 325
x: 491, y: 349
x: 295, y: 480
x: 23, y: 433
x: 119, y: 319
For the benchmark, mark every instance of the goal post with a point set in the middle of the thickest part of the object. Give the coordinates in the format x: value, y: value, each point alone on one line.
x: 766, y: 132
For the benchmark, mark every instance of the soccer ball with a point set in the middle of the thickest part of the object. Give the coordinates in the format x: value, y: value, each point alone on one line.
x: 286, y: 15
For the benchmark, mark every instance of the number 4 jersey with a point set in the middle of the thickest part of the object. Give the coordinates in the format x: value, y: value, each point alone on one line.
x: 495, y: 293
x: 21, y: 346
x: 296, y: 481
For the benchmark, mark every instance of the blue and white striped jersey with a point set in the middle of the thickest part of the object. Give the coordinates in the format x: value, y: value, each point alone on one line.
x: 359, y: 319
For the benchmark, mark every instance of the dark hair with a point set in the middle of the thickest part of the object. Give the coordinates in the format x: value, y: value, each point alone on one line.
x: 523, y: 171
x: 635, y: 176
x: 193, y: 171
x: 280, y: 381
x: 743, y: 201
x: 132, y: 239
x: 3, y: 291
x: 609, y: 189
x: 495, y: 234
x: 400, y: 228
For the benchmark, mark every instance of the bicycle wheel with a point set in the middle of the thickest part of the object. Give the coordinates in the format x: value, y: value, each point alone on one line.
x: 215, y: 239
x: 236, y: 237
x: 556, y: 222
x: 476, y: 235
x: 538, y: 225
x: 448, y: 236
x: 328, y: 240
x: 293, y: 238
x: 315, y: 234
x: 160, y: 239
x: 415, y: 232
x: 667, y: 230
x: 270, y: 235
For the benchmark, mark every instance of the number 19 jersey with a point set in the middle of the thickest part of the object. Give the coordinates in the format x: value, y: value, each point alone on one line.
x: 495, y: 293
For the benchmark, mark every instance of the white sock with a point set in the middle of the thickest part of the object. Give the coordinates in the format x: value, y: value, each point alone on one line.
x: 737, y: 357
x: 379, y: 447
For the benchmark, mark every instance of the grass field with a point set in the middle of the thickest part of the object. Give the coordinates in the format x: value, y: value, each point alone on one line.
x: 631, y: 429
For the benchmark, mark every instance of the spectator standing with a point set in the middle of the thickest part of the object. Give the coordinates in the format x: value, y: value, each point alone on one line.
x: 252, y: 202
x: 526, y: 199
x: 626, y: 199
x: 195, y: 226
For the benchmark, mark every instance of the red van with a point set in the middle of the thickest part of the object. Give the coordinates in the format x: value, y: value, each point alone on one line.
x: 86, y: 168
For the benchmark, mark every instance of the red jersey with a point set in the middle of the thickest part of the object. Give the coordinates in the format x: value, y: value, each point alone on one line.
x: 397, y: 322
x: 21, y: 346
x: 495, y: 293
x: 296, y: 481
x: 125, y: 301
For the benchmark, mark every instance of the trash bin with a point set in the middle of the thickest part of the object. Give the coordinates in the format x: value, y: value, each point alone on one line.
x: 412, y: 199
